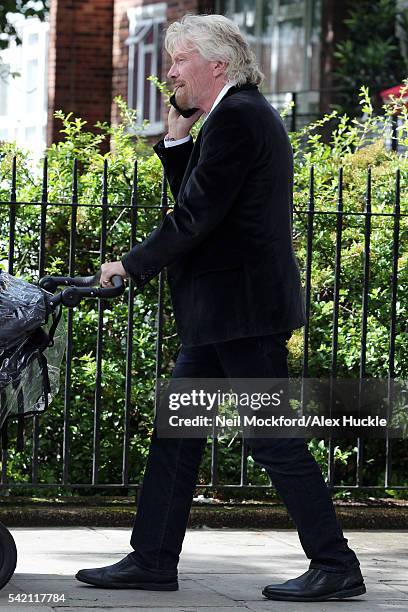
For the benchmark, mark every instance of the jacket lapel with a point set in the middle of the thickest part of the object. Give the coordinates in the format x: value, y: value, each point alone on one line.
x: 192, y: 162
x: 195, y: 154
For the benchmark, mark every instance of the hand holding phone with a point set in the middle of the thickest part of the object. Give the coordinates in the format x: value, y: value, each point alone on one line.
x: 186, y: 113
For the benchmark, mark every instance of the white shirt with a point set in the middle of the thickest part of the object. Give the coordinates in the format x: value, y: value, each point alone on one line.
x: 175, y: 143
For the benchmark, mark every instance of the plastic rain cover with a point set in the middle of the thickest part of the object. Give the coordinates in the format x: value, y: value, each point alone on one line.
x: 29, y: 368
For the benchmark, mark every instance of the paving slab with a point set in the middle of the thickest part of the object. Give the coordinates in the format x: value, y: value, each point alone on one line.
x: 220, y: 570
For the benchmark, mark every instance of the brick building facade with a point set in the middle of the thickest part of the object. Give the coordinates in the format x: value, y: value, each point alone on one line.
x: 79, y: 61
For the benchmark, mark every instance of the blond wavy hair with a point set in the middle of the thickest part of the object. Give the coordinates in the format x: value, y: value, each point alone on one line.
x: 216, y: 37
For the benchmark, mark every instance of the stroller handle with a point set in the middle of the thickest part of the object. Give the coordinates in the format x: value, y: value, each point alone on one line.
x: 50, y: 283
x: 80, y: 287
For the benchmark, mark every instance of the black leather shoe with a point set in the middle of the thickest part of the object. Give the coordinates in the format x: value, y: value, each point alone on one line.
x: 318, y: 585
x: 127, y: 575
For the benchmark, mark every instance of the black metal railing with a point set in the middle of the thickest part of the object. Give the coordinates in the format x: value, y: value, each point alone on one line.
x: 307, y: 218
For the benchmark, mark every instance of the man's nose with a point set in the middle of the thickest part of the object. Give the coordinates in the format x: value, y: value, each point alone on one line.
x: 172, y: 73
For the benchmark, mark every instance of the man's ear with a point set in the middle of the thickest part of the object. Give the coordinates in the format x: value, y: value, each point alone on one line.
x: 219, y: 68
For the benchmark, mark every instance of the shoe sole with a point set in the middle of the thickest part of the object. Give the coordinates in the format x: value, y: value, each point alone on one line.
x: 144, y: 586
x: 360, y: 590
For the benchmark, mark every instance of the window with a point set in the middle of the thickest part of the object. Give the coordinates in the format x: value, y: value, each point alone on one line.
x: 145, y: 59
x: 402, y: 26
x: 23, y: 96
x: 4, y: 85
x: 32, y: 85
x: 30, y: 134
x: 33, y: 38
x: 285, y: 35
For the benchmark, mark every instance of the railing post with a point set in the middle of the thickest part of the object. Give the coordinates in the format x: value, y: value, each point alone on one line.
x: 364, y: 313
x: 99, y: 337
x: 12, y: 217
x: 159, y: 339
x: 43, y: 220
x: 293, y: 116
x: 68, y: 362
x: 336, y: 301
x: 129, y: 336
x: 308, y: 279
x: 394, y: 133
x: 393, y: 323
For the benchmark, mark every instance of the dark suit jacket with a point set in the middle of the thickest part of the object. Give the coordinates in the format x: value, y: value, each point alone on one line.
x: 227, y: 244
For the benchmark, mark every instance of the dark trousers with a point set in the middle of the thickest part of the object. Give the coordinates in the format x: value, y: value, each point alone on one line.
x: 172, y: 467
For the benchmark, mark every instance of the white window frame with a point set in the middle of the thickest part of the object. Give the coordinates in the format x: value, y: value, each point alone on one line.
x: 18, y: 118
x: 4, y: 87
x: 141, y: 20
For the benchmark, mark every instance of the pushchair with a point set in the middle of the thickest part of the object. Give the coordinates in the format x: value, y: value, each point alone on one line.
x: 32, y: 344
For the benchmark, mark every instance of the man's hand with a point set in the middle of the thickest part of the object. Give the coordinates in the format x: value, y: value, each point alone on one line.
x: 179, y: 126
x: 111, y: 269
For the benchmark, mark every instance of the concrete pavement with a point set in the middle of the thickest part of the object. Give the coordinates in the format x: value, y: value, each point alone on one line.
x: 221, y: 570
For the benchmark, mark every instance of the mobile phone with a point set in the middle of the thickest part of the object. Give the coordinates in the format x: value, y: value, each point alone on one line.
x: 186, y: 113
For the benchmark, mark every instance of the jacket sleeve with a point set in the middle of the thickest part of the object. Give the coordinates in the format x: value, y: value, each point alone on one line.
x: 227, y: 148
x: 174, y: 160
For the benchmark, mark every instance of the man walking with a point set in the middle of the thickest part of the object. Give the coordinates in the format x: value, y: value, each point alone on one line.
x: 236, y: 294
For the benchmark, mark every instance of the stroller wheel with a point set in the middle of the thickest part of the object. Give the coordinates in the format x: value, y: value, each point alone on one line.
x: 8, y: 555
